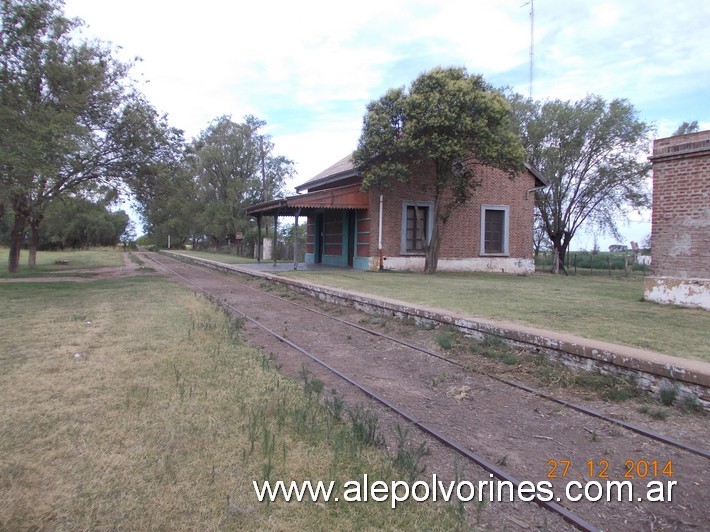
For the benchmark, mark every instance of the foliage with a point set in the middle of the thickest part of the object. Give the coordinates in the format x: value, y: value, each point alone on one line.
x: 202, y: 189
x: 70, y: 117
x: 668, y: 394
x: 79, y: 223
x: 233, y: 166
x: 687, y: 127
x: 167, y: 203
x: 594, y: 155
x: 446, y: 121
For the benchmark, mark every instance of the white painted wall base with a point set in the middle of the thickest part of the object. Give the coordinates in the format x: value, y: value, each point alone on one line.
x: 676, y: 291
x: 489, y: 264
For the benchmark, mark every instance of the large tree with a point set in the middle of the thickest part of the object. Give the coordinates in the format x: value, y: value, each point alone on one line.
x: 169, y: 206
x: 70, y: 117
x: 234, y: 166
x: 163, y: 189
x: 594, y: 156
x: 78, y: 223
x: 445, y: 119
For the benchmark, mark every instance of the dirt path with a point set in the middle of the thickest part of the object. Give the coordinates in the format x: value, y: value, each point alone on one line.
x: 127, y: 269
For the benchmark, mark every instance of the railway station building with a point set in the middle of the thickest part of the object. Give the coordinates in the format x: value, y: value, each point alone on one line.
x: 377, y: 229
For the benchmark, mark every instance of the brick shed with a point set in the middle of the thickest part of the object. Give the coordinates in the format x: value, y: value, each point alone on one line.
x: 493, y: 232
x: 680, y: 234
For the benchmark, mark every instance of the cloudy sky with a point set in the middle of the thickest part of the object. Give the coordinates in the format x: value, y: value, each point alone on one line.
x: 309, y: 67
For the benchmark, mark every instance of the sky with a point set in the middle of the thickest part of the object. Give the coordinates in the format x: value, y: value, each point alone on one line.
x: 310, y: 67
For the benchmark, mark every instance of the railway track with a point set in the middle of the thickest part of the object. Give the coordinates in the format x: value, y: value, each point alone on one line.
x: 197, y: 278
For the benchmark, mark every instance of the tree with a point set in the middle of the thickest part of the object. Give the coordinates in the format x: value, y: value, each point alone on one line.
x: 594, y: 155
x: 687, y: 127
x: 234, y: 167
x: 69, y: 116
x: 169, y: 206
x: 79, y: 223
x: 446, y: 120
x: 164, y: 191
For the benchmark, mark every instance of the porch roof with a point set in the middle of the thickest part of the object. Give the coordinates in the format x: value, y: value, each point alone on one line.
x: 346, y: 197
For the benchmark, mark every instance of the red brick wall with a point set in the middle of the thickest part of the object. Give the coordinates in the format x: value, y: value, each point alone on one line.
x: 681, y: 206
x: 461, y: 238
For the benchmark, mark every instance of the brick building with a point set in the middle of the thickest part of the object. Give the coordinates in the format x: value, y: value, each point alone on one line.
x: 377, y: 229
x: 680, y: 234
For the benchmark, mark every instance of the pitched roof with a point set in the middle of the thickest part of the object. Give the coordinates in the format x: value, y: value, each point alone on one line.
x: 343, y: 169
x: 541, y: 179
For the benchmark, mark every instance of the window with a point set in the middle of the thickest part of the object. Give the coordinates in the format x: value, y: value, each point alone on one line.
x: 494, y: 230
x: 416, y: 226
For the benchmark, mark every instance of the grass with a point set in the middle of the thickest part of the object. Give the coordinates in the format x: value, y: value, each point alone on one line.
x: 606, y: 387
x: 545, y: 373
x: 47, y: 261
x: 446, y: 337
x: 132, y: 404
x: 659, y: 414
x: 599, y: 307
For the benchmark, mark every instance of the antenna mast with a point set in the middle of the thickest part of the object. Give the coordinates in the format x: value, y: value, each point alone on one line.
x: 532, y: 32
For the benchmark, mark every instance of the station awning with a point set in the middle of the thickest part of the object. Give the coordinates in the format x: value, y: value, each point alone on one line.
x: 347, y: 197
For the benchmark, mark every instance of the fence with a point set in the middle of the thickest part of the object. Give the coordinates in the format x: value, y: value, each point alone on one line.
x: 586, y: 263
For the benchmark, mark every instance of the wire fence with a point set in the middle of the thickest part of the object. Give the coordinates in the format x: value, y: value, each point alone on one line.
x: 602, y: 263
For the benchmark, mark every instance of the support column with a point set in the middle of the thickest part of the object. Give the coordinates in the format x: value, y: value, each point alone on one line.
x: 258, y: 239
x: 295, y: 241
x: 276, y: 223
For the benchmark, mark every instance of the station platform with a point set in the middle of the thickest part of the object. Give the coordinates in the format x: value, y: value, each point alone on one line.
x: 651, y: 370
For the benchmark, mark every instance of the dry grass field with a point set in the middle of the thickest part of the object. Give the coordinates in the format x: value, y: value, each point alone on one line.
x: 132, y: 404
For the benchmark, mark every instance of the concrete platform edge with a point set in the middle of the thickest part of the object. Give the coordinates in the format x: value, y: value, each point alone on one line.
x: 652, y: 371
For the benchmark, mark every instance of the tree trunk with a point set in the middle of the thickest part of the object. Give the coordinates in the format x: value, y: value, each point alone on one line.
x: 431, y: 250
x: 555, y: 261
x: 17, y: 237
x: 34, y: 241
x: 559, y: 252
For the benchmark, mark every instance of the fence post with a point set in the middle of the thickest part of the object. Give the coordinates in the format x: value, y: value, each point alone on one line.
x: 575, y: 264
x: 608, y: 263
